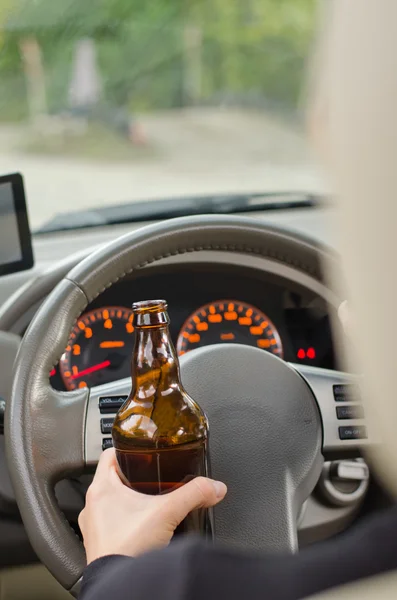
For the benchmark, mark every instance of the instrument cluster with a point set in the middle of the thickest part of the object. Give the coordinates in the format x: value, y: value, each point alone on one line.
x: 205, y: 308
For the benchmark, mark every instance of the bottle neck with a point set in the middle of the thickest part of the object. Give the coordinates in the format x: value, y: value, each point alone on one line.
x: 155, y: 366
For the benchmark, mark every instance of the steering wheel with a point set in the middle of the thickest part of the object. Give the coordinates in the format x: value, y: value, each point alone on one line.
x: 271, y: 423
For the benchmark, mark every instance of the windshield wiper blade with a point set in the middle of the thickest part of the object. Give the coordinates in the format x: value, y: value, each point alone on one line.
x: 170, y: 208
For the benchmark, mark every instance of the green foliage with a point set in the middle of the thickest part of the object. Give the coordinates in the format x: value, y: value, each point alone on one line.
x: 249, y: 49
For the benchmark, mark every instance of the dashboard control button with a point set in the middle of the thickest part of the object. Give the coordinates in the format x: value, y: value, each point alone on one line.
x: 350, y: 411
x: 107, y: 443
x: 111, y: 404
x: 353, y: 432
x: 107, y: 424
x: 345, y: 392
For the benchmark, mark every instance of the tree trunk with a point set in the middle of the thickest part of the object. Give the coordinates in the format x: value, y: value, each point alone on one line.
x: 35, y: 77
x: 192, y: 67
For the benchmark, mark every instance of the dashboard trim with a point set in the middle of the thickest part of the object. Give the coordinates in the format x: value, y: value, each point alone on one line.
x: 267, y: 265
x: 16, y: 314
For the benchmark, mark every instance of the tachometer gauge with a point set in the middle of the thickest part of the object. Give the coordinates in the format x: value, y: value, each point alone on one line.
x: 99, y: 348
x: 229, y: 321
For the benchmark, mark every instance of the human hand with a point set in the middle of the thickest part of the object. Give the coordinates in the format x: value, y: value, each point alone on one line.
x: 118, y: 520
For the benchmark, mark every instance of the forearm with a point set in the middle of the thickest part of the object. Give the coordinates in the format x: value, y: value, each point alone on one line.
x: 164, y: 574
x: 98, y: 574
x: 189, y: 569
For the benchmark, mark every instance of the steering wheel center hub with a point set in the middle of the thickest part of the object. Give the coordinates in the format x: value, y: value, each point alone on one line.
x: 265, y: 440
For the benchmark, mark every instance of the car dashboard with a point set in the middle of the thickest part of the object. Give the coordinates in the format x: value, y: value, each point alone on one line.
x: 208, y: 304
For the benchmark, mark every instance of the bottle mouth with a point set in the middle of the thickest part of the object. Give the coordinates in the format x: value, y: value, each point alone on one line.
x: 149, y: 306
x: 150, y: 313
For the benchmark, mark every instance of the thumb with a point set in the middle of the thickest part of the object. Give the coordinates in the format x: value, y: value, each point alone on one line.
x: 201, y: 492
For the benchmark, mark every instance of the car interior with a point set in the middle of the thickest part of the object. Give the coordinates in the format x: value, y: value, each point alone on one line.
x: 255, y: 320
x: 267, y: 278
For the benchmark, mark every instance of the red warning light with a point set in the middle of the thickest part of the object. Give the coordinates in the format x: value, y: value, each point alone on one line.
x: 301, y: 354
x: 311, y: 353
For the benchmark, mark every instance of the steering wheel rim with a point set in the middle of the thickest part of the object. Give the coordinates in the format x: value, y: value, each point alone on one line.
x: 45, y: 429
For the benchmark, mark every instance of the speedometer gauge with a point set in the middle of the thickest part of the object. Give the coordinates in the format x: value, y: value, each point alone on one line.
x: 99, y: 348
x: 229, y: 321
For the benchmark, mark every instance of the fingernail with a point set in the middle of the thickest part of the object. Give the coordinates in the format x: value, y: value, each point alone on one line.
x: 220, y: 488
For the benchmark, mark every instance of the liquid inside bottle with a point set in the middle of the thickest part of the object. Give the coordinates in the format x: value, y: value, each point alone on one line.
x: 160, y: 434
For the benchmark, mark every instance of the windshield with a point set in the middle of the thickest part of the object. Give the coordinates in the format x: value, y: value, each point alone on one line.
x: 114, y: 101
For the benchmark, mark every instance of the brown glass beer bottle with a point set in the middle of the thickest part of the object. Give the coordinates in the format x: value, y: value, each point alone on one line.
x: 160, y: 434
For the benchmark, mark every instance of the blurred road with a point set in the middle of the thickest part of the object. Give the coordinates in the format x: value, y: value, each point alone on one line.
x: 198, y: 151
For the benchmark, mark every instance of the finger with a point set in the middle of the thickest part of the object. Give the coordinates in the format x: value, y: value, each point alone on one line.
x: 81, y: 519
x: 106, y: 465
x: 201, y: 492
x: 108, y: 473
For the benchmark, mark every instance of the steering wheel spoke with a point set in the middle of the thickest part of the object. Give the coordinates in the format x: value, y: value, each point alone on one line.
x: 104, y: 401
x: 59, y: 424
x: 345, y: 427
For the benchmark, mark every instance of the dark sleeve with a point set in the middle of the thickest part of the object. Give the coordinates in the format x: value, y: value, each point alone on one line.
x: 192, y: 570
x: 165, y: 574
